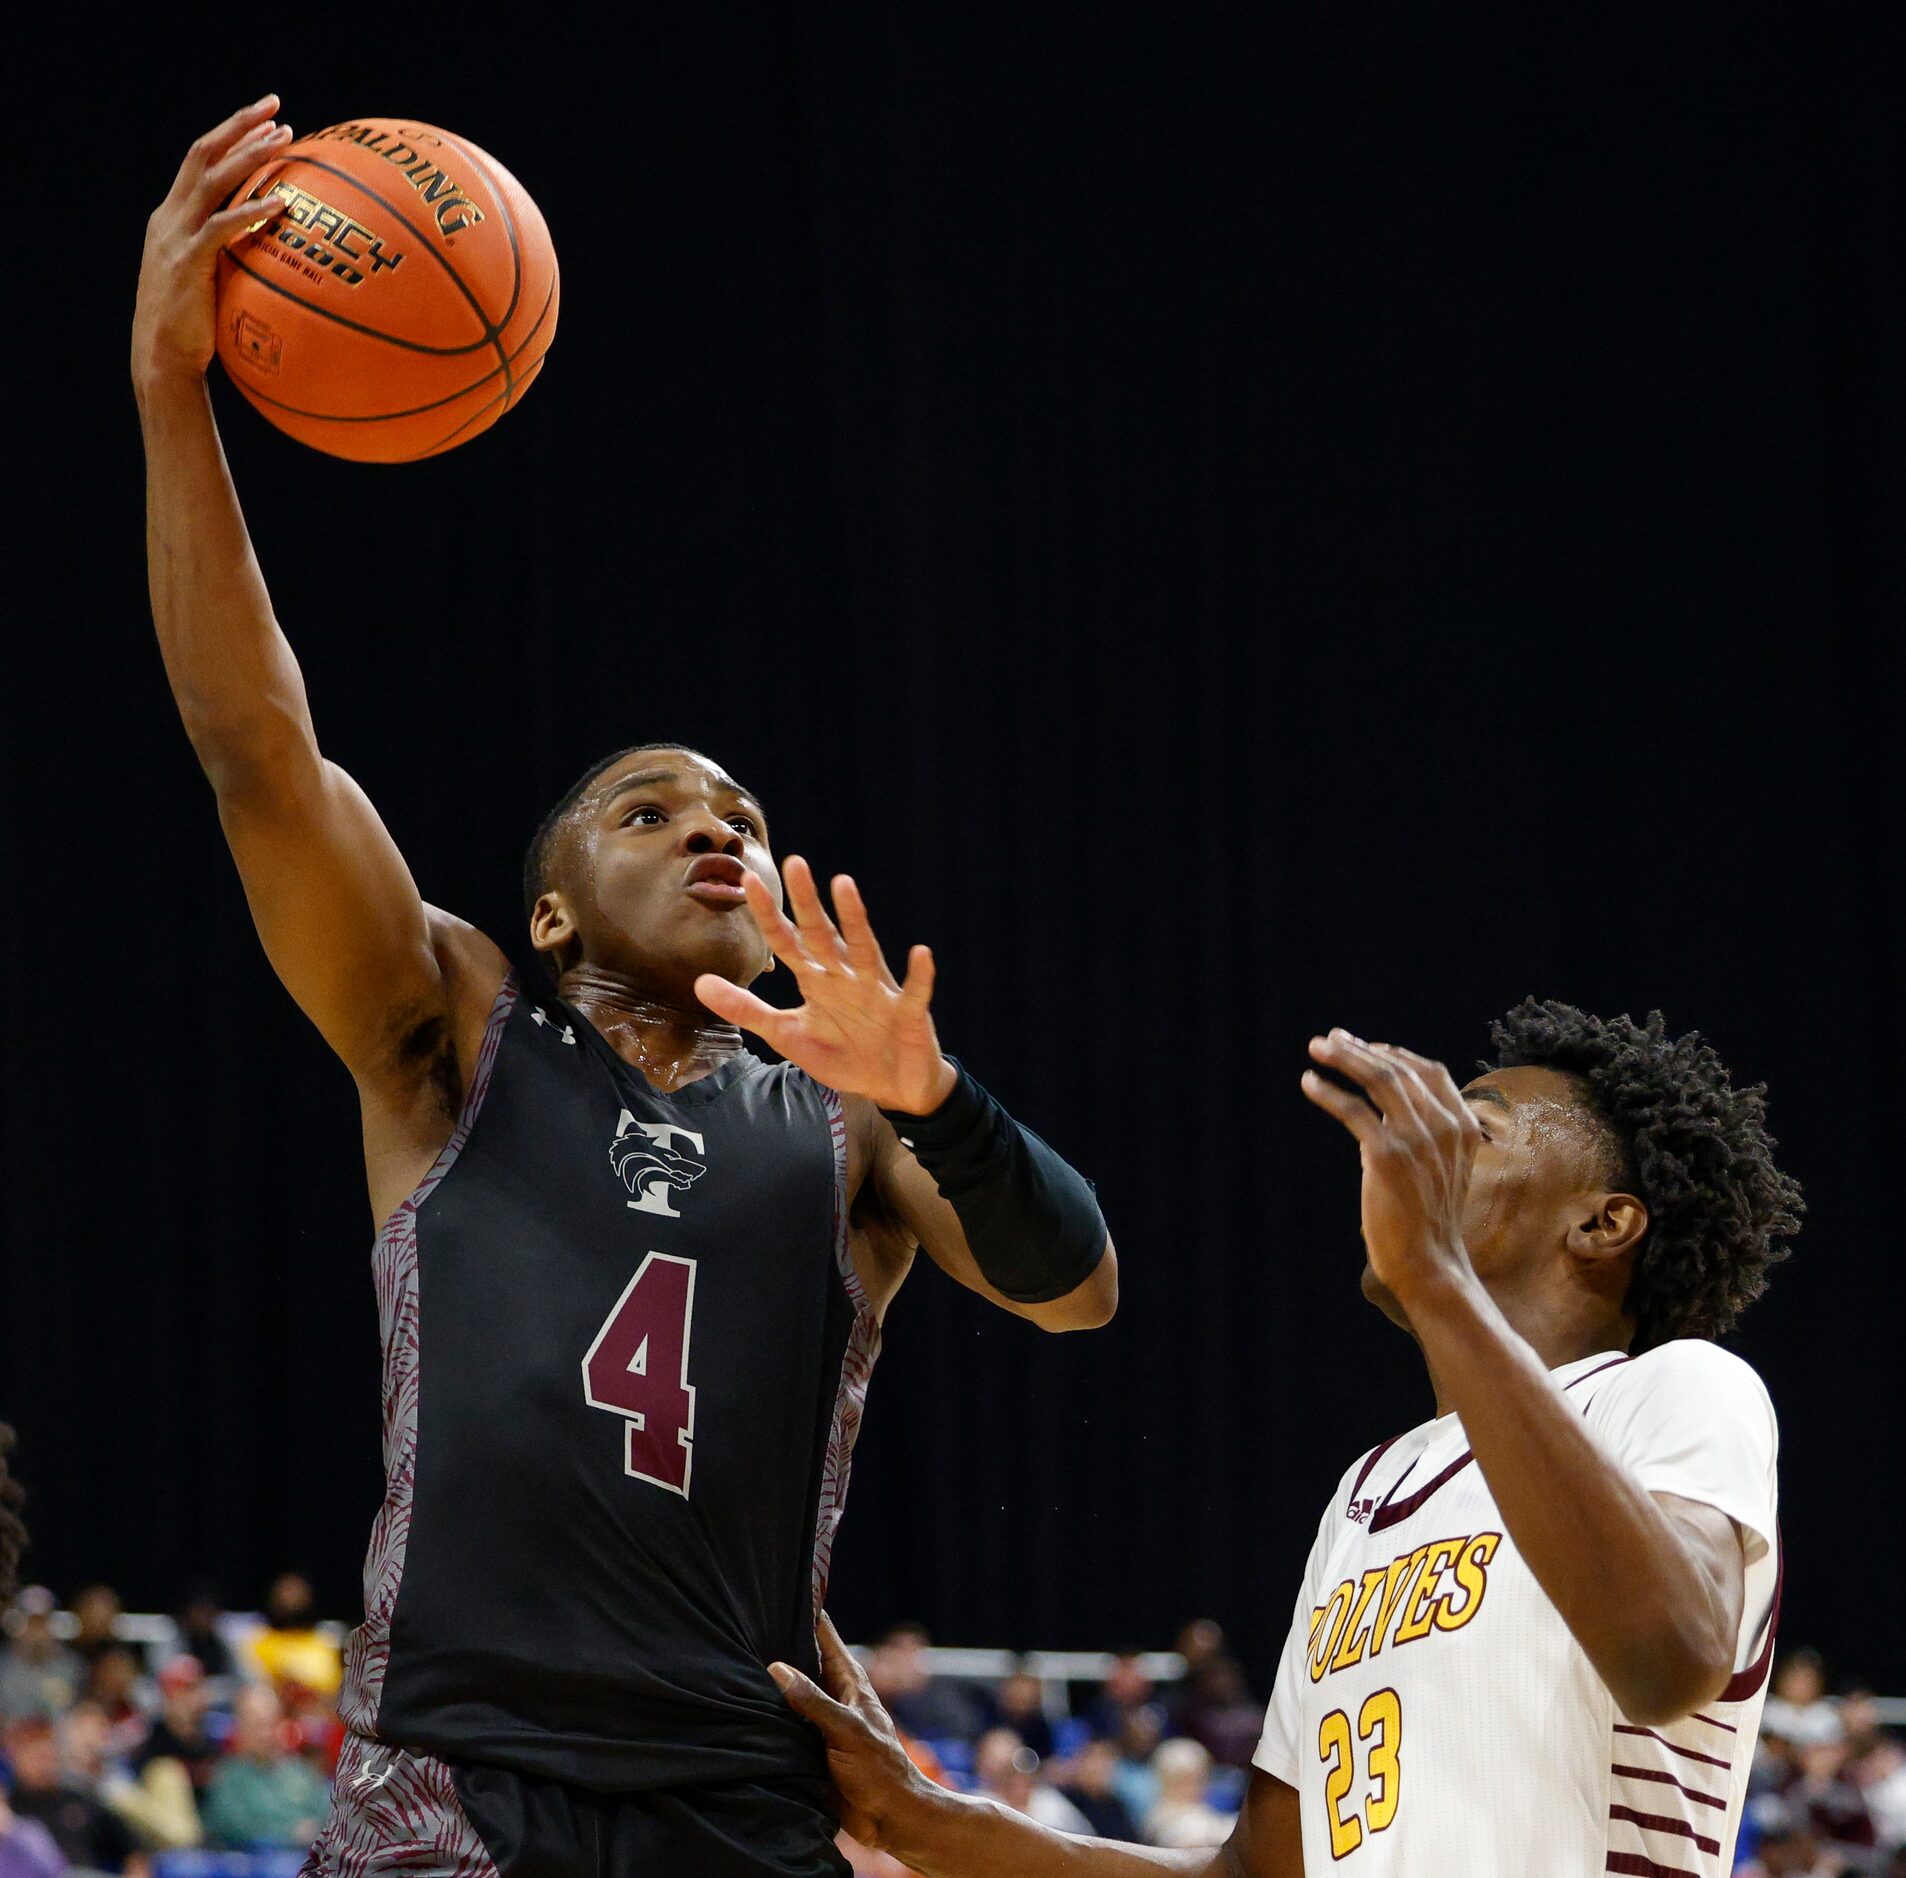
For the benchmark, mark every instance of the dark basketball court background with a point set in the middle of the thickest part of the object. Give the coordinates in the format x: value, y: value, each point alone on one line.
x: 1227, y: 521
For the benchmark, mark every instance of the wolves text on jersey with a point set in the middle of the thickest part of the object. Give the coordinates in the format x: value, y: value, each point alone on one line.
x: 1401, y: 1602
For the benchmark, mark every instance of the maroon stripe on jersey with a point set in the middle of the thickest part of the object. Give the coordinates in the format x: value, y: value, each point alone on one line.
x: 394, y: 1269
x: 1687, y: 1754
x: 1661, y: 1774
x: 1664, y: 1822
x: 1369, y: 1461
x: 1636, y: 1866
x: 1748, y: 1682
x: 1393, y: 1513
x: 856, y: 1369
x: 393, y: 1811
x: 1712, y: 1722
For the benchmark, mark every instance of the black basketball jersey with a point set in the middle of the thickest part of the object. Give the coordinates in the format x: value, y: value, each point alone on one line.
x: 625, y: 1356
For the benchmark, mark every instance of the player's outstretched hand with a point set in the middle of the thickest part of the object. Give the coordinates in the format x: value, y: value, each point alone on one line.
x: 175, y: 321
x: 870, y: 1770
x: 1418, y: 1141
x: 856, y: 1029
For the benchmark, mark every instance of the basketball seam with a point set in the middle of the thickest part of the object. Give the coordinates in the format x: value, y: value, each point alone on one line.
x: 516, y: 252
x: 387, y: 417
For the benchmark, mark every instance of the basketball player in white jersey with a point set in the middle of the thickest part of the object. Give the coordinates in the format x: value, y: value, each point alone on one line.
x: 1534, y: 1633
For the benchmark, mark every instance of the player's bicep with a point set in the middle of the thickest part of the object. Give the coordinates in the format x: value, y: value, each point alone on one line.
x: 1714, y: 1544
x: 335, y: 906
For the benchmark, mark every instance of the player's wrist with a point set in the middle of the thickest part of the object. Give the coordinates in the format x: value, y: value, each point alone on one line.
x: 929, y: 1095
x: 159, y: 379
x: 1439, y: 1282
x: 914, y: 1826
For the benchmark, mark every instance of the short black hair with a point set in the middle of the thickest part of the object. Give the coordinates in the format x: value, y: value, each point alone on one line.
x: 543, y: 842
x: 1695, y: 1149
x: 12, y: 1527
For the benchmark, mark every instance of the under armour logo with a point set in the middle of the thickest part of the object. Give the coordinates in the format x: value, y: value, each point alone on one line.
x: 539, y: 1016
x: 645, y: 1155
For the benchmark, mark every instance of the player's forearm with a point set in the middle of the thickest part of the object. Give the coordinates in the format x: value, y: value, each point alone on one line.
x: 233, y: 675
x: 1603, y: 1550
x: 948, y: 1835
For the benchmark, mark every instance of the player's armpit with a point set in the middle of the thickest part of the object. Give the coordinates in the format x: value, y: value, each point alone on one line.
x: 911, y: 1198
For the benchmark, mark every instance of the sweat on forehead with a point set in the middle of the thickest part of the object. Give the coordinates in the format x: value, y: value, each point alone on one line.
x: 1553, y: 1098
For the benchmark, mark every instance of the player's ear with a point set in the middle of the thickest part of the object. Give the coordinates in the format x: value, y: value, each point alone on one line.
x: 1607, y: 1226
x: 552, y: 927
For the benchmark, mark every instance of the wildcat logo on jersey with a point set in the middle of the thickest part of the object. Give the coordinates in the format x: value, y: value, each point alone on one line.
x: 1439, y: 1586
x: 652, y: 1167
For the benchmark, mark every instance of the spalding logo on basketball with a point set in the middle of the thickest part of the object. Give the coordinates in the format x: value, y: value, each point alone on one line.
x: 396, y: 297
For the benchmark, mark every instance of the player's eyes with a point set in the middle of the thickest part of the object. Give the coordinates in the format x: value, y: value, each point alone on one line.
x: 647, y: 814
x: 744, y: 823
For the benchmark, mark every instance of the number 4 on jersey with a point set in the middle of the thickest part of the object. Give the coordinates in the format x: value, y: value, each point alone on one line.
x: 638, y: 1368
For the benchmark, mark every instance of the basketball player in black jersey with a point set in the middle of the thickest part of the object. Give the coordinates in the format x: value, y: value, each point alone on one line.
x: 630, y: 1276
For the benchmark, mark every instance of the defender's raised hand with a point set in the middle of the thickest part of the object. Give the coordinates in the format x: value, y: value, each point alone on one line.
x: 175, y: 321
x: 1418, y: 1141
x: 856, y: 1029
x: 870, y: 1770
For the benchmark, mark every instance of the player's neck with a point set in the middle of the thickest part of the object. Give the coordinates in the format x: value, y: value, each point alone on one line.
x: 1556, y: 1336
x: 671, y: 1043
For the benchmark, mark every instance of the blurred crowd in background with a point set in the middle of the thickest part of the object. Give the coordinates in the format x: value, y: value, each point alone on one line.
x: 206, y: 1746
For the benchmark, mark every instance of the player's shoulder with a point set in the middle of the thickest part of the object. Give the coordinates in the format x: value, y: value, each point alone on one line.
x: 1688, y: 1369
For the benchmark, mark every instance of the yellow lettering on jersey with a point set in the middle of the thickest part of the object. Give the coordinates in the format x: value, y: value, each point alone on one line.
x: 1340, y: 1775
x: 1416, y: 1619
x: 1472, y: 1575
x: 1395, y: 1578
x: 1355, y: 1637
x: 1329, y: 1628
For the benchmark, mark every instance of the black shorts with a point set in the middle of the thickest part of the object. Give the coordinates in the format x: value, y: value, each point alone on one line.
x: 396, y: 1814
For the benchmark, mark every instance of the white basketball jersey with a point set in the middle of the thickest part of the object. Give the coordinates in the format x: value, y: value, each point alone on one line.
x: 1434, y: 1713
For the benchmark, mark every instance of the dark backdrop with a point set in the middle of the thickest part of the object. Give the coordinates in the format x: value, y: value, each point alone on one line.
x: 1228, y: 523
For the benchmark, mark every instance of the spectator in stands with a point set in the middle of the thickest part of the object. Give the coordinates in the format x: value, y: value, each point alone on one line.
x: 1136, y: 1781
x: 290, y: 1648
x: 1876, y: 1766
x: 1127, y: 1687
x: 1183, y: 1818
x: 96, y: 1613
x: 39, y: 1676
x: 27, y: 1849
x: 1009, y: 1770
x: 87, y: 1831
x: 1093, y: 1789
x: 930, y: 1707
x: 200, y: 1636
x: 1217, y: 1711
x: 1786, y: 1847
x: 114, y: 1683
x: 263, y: 1794
x: 159, y: 1811
x: 178, y: 1732
x: 1020, y: 1704
x: 1797, y: 1710
x: 1834, y: 1806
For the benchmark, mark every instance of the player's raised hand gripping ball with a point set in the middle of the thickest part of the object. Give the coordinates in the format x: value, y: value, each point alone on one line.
x: 396, y: 295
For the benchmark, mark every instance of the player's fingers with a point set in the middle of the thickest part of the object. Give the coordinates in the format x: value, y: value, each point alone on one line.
x: 784, y: 940
x: 1346, y: 1105
x: 863, y: 949
x: 818, y: 932
x: 918, y: 988
x: 240, y: 219
x: 222, y: 177
x: 1441, y: 1088
x: 743, y: 1008
x: 207, y: 149
x: 845, y: 1678
x: 1385, y: 1081
x: 806, y: 1699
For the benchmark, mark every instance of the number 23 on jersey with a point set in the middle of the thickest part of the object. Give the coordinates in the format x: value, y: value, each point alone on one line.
x: 1378, y: 1745
x: 638, y: 1368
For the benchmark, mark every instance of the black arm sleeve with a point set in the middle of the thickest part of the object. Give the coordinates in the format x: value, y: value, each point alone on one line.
x: 1034, y: 1227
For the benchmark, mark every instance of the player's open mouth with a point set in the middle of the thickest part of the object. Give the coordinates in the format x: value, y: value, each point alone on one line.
x: 715, y: 880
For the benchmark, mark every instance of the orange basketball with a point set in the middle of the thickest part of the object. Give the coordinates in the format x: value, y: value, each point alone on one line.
x: 397, y: 296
